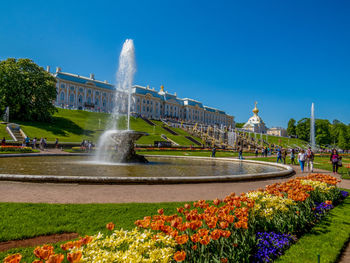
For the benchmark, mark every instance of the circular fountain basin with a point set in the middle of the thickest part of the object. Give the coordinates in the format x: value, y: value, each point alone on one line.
x: 160, y: 169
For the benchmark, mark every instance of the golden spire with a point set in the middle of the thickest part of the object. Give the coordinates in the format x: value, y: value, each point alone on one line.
x: 255, y: 110
x: 162, y: 88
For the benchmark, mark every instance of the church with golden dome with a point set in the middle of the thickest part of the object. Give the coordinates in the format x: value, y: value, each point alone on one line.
x: 255, y: 123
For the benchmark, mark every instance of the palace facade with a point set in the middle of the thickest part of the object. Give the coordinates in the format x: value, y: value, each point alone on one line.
x: 83, y: 93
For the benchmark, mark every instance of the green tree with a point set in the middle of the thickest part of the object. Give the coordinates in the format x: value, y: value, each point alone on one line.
x: 291, y: 129
x: 322, y: 132
x: 303, y: 129
x: 342, y: 139
x: 27, y: 89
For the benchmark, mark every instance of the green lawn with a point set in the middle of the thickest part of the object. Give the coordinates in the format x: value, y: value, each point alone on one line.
x: 319, y: 162
x: 76, y: 125
x: 3, y: 132
x: 283, y: 141
x: 326, y: 239
x: 190, y: 153
x: 21, y: 220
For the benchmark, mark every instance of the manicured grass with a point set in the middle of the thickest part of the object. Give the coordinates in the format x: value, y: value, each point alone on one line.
x: 326, y: 239
x: 283, y: 141
x: 21, y: 220
x: 3, y: 132
x: 189, y: 153
x: 76, y: 125
x: 319, y: 162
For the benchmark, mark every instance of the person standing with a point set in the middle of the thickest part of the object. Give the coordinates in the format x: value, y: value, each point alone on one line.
x: 334, y: 158
x: 292, y: 157
x: 284, y: 155
x: 27, y: 141
x: 240, y: 153
x: 279, y: 155
x: 310, y: 160
x: 34, y: 143
x: 213, y: 152
x: 41, y: 143
x: 301, y: 159
x: 256, y: 152
x: 3, y: 141
x: 56, y: 143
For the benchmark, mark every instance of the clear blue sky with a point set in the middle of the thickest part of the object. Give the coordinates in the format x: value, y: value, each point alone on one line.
x: 227, y: 54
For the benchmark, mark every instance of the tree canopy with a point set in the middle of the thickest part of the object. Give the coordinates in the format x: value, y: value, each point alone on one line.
x: 27, y: 89
x: 291, y: 129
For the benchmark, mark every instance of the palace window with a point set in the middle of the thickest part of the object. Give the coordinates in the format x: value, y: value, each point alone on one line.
x: 72, y: 88
x: 104, y: 103
x: 89, y: 91
x: 63, y: 86
x: 96, y: 102
x: 89, y: 100
x: 80, y: 99
x: 97, y: 93
x: 81, y: 90
x: 71, y: 98
x: 62, y: 96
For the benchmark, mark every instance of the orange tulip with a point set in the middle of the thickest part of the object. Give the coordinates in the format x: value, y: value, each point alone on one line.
x: 74, y: 257
x: 67, y: 245
x: 187, y: 206
x: 181, y: 239
x: 110, y: 226
x: 195, y: 238
x: 15, y: 258
x: 55, y: 258
x: 223, y: 225
x: 161, y: 211
x: 43, y: 252
x: 194, y: 247
x: 224, y: 260
x: 205, y: 240
x: 216, y: 234
x: 180, y: 256
x: 86, y: 240
x: 217, y: 201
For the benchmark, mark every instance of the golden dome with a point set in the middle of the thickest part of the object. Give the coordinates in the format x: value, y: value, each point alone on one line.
x: 162, y: 88
x: 256, y: 110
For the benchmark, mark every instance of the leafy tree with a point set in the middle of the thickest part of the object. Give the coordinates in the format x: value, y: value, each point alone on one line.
x: 342, y: 139
x: 27, y: 89
x: 291, y: 129
x: 239, y: 124
x: 322, y: 132
x: 303, y: 129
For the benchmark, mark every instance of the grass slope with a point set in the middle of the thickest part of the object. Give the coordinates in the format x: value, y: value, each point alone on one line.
x: 3, y: 132
x: 283, y: 141
x: 76, y: 125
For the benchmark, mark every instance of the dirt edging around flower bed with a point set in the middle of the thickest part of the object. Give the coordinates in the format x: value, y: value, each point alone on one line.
x: 37, y: 241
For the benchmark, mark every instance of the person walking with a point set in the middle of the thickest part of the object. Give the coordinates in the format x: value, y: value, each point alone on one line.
x: 3, y: 141
x: 213, y: 152
x: 334, y: 158
x: 41, y: 144
x: 284, y: 155
x: 56, y: 143
x: 256, y: 152
x: 27, y: 141
x: 310, y: 160
x: 34, y: 143
x: 301, y: 159
x: 279, y: 155
x: 240, y: 153
x: 292, y: 157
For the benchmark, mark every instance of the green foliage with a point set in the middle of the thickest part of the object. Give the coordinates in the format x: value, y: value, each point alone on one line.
x: 322, y: 131
x: 239, y: 124
x: 27, y: 89
x: 326, y: 239
x: 291, y: 129
x: 303, y: 129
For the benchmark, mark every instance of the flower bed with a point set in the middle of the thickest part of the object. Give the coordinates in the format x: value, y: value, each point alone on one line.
x: 254, y: 227
x: 18, y: 149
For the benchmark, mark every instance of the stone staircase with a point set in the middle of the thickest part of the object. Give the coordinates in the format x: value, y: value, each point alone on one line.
x: 15, y: 131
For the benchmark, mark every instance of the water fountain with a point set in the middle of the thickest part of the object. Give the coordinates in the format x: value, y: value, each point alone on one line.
x: 312, y: 128
x: 116, y: 145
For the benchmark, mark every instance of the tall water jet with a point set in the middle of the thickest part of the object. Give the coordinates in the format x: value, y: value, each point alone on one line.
x: 312, y: 128
x: 116, y: 145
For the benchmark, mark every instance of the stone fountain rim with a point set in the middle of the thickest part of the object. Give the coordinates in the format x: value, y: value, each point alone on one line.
x: 287, y: 171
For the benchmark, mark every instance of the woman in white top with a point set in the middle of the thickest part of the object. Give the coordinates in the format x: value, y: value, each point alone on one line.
x: 302, y: 159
